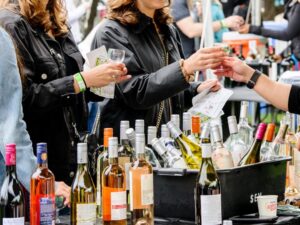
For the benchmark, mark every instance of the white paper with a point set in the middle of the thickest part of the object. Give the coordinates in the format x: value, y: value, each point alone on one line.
x: 211, y: 103
x: 14, y: 221
x: 86, y: 214
x: 147, y: 189
x: 118, y: 205
x: 211, y: 210
x: 97, y: 57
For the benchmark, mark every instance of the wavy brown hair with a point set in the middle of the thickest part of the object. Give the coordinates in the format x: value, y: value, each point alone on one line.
x: 126, y: 12
x: 51, y: 16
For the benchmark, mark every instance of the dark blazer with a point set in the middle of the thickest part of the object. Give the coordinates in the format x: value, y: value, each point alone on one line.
x: 152, y: 82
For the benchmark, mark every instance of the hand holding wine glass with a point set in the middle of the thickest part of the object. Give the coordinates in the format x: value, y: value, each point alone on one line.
x: 117, y: 56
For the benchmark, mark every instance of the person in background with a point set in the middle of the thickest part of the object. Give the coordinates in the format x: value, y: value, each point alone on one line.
x: 74, y: 15
x: 189, y: 29
x: 291, y: 33
x: 13, y: 127
x: 283, y: 96
x: 160, y: 76
x: 55, y: 92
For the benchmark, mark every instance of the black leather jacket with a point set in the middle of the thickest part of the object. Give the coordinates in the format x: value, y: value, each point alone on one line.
x: 48, y: 91
x: 152, y: 81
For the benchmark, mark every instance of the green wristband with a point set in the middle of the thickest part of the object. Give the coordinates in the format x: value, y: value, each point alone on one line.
x: 80, y: 81
x: 223, y: 24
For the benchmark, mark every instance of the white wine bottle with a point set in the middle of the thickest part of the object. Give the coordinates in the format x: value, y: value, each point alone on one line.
x: 245, y: 131
x: 83, y: 191
x: 266, y: 150
x: 208, y: 207
x: 141, y: 187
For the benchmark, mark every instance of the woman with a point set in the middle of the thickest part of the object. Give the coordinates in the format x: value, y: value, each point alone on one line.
x: 11, y: 119
x: 55, y: 93
x: 282, y: 96
x: 291, y: 33
x: 154, y: 58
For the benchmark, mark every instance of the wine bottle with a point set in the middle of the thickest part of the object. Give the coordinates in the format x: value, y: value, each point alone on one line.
x: 139, y: 126
x: 12, y: 205
x: 186, y: 123
x: 175, y: 118
x: 170, y: 161
x: 42, y: 190
x: 266, y: 151
x: 168, y: 141
x: 253, y: 154
x: 221, y: 157
x: 195, y: 136
x: 114, y: 200
x: 204, y: 138
x: 152, y: 133
x: 207, y: 191
x: 102, y: 162
x: 83, y: 191
x: 280, y: 145
x: 245, y: 131
x: 236, y: 145
x: 141, y: 187
x: 191, y: 152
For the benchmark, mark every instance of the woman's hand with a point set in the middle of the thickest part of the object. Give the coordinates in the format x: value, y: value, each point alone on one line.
x: 244, y: 29
x: 234, y: 22
x: 61, y: 189
x: 105, y: 74
x: 204, y: 58
x: 213, y: 85
x: 236, y: 70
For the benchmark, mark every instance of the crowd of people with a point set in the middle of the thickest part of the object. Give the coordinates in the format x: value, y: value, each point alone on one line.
x: 45, y: 90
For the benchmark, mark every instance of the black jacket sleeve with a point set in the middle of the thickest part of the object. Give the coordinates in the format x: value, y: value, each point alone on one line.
x: 144, y: 89
x: 294, y: 100
x: 37, y: 96
x: 292, y: 30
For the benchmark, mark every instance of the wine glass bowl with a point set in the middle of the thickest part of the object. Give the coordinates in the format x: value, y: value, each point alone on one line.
x: 116, y: 55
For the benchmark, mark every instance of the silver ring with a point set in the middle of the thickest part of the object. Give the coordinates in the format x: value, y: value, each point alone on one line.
x: 113, y: 77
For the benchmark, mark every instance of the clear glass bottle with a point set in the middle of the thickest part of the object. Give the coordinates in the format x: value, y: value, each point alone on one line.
x: 266, y: 151
x: 236, y: 145
x: 195, y: 135
x: 170, y: 161
x: 221, y: 157
x: 12, y: 202
x: 191, y: 152
x: 168, y: 141
x: 208, y: 206
x: 175, y: 118
x: 205, y: 135
x: 245, y: 130
x: 114, y: 197
x: 42, y: 193
x: 280, y: 146
x: 83, y: 191
x: 186, y: 123
x: 102, y: 162
x: 141, y: 187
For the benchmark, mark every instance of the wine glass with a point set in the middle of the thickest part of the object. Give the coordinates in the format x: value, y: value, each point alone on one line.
x: 59, y: 204
x: 116, y: 55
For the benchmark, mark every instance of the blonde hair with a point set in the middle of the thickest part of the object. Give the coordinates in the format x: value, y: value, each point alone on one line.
x: 126, y: 12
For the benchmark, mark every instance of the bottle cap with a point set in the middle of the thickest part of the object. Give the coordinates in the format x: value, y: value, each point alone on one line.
x: 152, y: 133
x: 140, y: 126
x: 175, y: 118
x: 270, y: 132
x: 165, y: 133
x: 186, y: 121
x: 206, y: 150
x: 244, y: 109
x: 232, y: 124
x: 205, y: 131
x: 82, y: 153
x: 41, y: 153
x: 195, y: 124
x: 10, y: 154
x: 216, y: 133
x: 174, y: 130
x: 113, y: 147
x: 108, y: 132
x: 158, y: 146
x: 124, y: 125
x: 140, y: 143
x: 261, y: 131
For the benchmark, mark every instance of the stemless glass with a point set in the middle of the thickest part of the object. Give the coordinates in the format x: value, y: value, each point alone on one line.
x: 226, y: 49
x: 59, y: 204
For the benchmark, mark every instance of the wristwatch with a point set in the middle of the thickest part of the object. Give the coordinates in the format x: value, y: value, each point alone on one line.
x: 251, y: 83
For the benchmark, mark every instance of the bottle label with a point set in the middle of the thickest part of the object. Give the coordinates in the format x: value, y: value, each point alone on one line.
x: 47, y: 211
x: 141, y: 188
x: 86, y: 214
x: 211, y: 209
x: 114, y: 205
x: 14, y: 221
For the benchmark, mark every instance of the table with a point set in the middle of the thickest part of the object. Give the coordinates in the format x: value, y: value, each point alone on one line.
x: 245, y: 94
